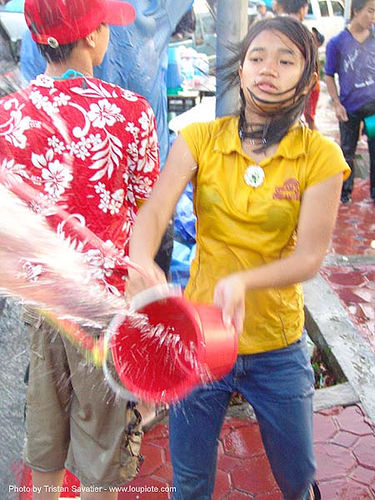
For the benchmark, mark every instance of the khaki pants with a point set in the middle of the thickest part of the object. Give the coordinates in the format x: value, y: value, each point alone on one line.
x: 73, y: 419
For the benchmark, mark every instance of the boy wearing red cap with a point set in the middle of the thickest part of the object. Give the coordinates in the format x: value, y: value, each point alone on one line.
x: 91, y: 147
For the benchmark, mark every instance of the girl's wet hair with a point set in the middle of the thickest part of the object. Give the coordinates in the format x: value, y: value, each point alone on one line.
x: 281, y: 119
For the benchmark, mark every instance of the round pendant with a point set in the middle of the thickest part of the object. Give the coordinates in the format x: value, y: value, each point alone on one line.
x: 254, y: 176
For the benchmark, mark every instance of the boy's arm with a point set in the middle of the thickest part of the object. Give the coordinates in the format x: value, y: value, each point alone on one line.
x: 333, y: 55
x: 332, y: 91
x: 154, y: 216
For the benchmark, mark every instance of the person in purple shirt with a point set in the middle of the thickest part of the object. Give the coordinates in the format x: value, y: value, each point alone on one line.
x: 351, y: 55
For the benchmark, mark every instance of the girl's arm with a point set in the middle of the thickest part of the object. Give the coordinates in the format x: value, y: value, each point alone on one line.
x: 153, y: 217
x: 316, y: 222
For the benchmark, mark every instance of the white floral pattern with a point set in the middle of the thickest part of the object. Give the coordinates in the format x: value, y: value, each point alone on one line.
x: 15, y: 124
x: 11, y: 171
x: 55, y: 143
x: 56, y: 178
x: 95, y: 152
x: 104, y: 113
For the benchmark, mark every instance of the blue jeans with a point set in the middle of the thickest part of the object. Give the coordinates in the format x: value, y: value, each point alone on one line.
x: 279, y: 385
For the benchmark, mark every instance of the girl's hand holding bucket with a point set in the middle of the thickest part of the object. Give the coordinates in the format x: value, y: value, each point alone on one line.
x: 229, y: 295
x: 151, y: 275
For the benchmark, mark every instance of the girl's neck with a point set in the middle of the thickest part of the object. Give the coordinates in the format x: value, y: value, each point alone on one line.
x: 252, y: 151
x: 253, y: 135
x: 253, y: 117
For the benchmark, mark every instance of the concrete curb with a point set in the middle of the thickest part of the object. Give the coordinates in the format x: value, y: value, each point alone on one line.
x: 336, y: 260
x: 329, y: 326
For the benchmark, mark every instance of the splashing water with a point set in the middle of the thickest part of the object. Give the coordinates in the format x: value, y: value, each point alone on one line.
x: 156, y: 361
x: 65, y: 287
x: 160, y: 336
x: 151, y: 354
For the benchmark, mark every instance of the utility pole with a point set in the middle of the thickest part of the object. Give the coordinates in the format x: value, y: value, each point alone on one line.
x: 231, y: 28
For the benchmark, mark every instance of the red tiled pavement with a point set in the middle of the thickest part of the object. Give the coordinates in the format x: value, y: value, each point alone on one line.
x: 354, y: 235
x: 355, y: 226
x: 359, y: 299
x: 355, y: 283
x: 344, y: 448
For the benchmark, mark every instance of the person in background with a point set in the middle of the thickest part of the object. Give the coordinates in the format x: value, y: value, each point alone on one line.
x: 185, y: 28
x: 294, y: 8
x: 298, y: 9
x: 90, y: 147
x: 266, y: 194
x: 136, y: 59
x: 277, y: 8
x: 312, y: 100
x: 263, y: 12
x: 351, y: 56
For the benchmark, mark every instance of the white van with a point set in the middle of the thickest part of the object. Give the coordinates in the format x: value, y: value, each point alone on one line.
x: 327, y: 16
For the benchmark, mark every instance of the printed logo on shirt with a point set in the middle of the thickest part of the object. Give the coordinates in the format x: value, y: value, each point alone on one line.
x: 288, y: 191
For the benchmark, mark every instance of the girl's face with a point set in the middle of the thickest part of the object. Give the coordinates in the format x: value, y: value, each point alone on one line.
x: 271, y: 69
x: 366, y: 16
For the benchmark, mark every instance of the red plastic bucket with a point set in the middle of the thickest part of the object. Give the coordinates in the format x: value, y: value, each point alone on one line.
x: 183, y: 344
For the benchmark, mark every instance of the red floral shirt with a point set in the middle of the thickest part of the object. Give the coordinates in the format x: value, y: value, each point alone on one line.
x: 89, y: 147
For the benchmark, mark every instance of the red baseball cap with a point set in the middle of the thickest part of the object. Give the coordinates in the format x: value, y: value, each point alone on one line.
x: 58, y: 22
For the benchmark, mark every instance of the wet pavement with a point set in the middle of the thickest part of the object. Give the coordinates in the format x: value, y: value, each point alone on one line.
x: 344, y: 436
x: 344, y: 448
x: 354, y: 281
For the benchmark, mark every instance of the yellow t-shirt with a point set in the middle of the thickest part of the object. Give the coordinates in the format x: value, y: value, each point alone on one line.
x: 241, y: 227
